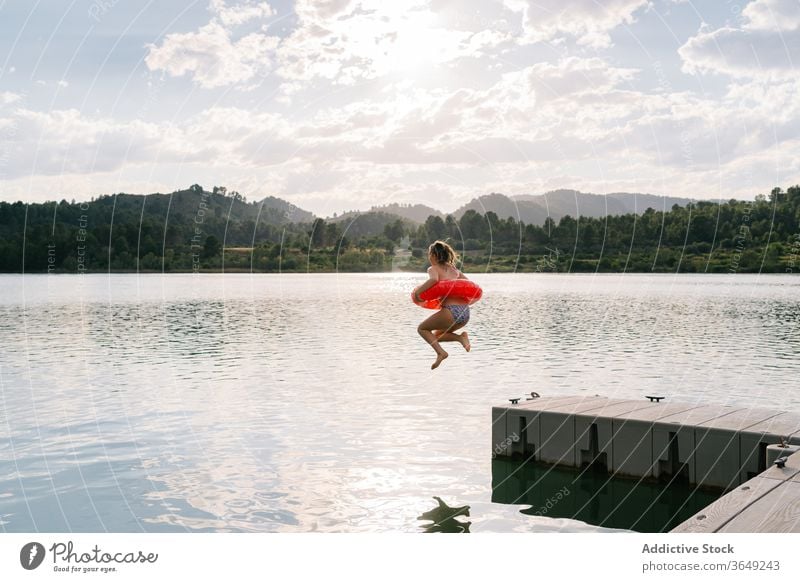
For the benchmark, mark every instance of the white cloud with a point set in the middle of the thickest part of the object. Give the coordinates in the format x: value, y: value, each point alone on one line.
x: 589, y: 21
x: 211, y: 57
x: 214, y: 55
x: 743, y: 52
x: 64, y: 141
x: 516, y: 118
x: 700, y: 135
x: 440, y: 147
x: 7, y: 98
x: 346, y: 43
x: 772, y: 15
x: 240, y: 13
x: 573, y: 75
x: 748, y: 132
x: 512, y: 120
x: 338, y: 41
x: 766, y: 46
x: 67, y: 142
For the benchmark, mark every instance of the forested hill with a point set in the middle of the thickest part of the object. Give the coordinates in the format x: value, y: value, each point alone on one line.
x: 130, y: 226
x: 198, y: 230
x: 536, y: 208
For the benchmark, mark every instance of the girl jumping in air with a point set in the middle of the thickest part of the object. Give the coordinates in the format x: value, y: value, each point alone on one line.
x: 454, y: 313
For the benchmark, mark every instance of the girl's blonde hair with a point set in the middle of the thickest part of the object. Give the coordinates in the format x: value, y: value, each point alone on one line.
x: 443, y: 253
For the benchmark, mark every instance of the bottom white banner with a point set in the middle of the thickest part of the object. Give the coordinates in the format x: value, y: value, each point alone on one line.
x: 153, y: 557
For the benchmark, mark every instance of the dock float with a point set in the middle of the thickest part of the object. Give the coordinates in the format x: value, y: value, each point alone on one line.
x: 706, y: 445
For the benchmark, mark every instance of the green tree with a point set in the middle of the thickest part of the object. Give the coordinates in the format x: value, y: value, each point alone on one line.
x: 394, y: 231
x: 317, y: 233
x: 434, y: 227
x: 474, y: 225
x: 212, y: 247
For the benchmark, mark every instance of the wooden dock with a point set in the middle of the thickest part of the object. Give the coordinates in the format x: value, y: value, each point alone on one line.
x: 707, y: 445
x: 767, y: 503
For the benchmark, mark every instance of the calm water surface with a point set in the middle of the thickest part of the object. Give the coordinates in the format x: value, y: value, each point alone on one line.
x: 306, y: 402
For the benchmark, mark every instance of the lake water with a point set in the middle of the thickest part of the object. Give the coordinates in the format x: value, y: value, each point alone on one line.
x: 297, y: 403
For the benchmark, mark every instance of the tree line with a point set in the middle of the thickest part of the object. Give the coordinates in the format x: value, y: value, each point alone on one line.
x: 213, y: 231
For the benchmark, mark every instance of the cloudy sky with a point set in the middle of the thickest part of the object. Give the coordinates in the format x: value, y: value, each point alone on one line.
x: 342, y: 104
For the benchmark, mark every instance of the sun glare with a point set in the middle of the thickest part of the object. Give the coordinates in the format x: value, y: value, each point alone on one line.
x: 402, y: 42
x: 416, y: 44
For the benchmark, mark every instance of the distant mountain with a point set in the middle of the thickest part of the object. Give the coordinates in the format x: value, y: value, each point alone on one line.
x: 186, y: 205
x: 503, y: 206
x: 196, y: 202
x: 535, y: 208
x: 638, y: 203
x: 418, y: 213
x: 270, y: 210
x: 292, y: 213
x: 559, y: 203
x: 355, y: 224
x: 572, y: 201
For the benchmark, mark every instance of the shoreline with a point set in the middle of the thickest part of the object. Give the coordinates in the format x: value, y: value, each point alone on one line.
x: 494, y: 272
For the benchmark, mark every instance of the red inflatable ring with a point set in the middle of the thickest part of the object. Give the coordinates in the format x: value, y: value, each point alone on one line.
x: 451, y: 289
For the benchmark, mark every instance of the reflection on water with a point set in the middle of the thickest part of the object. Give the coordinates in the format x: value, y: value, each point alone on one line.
x: 595, y: 497
x: 444, y: 518
x: 306, y: 402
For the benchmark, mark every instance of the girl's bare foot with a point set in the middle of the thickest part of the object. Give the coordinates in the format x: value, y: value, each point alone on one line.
x: 465, y: 340
x: 440, y: 357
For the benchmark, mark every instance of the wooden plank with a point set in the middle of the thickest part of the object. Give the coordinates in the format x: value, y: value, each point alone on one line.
x: 724, y: 509
x: 614, y: 408
x: 656, y: 411
x: 786, y: 424
x: 588, y: 405
x: 769, y: 502
x: 776, y: 512
x: 553, y: 402
x: 545, y: 402
x: 791, y: 469
x: 698, y: 415
x: 742, y: 419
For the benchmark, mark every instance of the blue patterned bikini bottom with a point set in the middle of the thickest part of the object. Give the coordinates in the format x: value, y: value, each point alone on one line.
x: 460, y: 313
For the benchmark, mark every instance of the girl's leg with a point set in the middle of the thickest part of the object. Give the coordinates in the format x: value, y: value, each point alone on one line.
x: 462, y: 338
x: 449, y: 336
x: 442, y: 319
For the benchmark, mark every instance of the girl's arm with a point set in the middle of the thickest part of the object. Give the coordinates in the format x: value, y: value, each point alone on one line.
x: 433, y: 277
